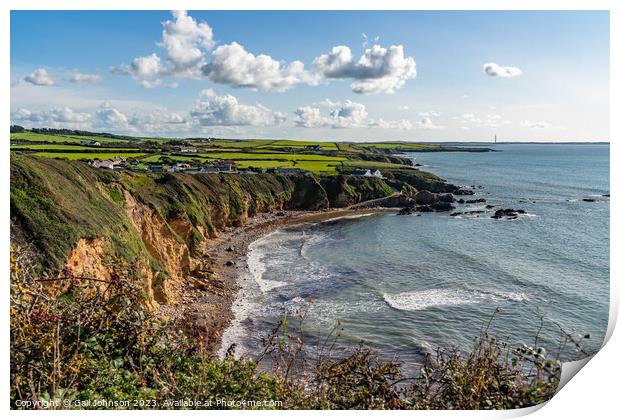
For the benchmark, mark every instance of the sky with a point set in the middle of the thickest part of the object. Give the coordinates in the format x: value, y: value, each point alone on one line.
x: 317, y: 75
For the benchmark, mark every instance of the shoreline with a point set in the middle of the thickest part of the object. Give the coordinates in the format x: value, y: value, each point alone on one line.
x: 206, y: 312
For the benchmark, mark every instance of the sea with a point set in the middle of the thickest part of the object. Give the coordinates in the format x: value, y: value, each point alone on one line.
x: 407, y: 285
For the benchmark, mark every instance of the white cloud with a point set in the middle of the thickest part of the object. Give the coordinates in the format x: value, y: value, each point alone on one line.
x: 493, y: 69
x: 186, y: 41
x: 490, y: 120
x: 109, y: 117
x: 40, y: 77
x: 350, y: 114
x: 395, y: 124
x: 159, y: 120
x: 51, y: 117
x: 427, y: 124
x: 157, y: 116
x: 429, y: 113
x: 347, y: 114
x: 188, y: 47
x: 106, y: 118
x: 213, y: 110
x: 309, y: 117
x: 403, y: 108
x: 232, y: 65
x: 328, y: 103
x: 378, y: 70
x: 78, y: 77
x: 471, y: 119
x: 535, y: 124
x: 63, y: 117
x: 152, y: 84
x: 143, y: 67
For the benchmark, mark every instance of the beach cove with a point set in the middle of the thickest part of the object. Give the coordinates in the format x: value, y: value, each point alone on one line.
x: 408, y: 284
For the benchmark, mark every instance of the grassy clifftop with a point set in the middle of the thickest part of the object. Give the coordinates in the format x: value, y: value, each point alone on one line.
x: 55, y: 203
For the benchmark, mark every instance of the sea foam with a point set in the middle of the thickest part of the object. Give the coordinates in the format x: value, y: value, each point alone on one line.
x: 424, y: 299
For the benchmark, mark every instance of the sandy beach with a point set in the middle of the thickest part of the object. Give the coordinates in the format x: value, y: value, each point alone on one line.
x: 205, y: 309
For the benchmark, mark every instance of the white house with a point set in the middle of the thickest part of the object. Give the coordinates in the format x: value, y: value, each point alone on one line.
x: 102, y: 164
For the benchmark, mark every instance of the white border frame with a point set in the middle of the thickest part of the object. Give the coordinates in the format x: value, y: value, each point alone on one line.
x: 592, y: 393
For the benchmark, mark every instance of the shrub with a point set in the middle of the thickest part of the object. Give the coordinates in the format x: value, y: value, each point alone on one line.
x: 77, y: 339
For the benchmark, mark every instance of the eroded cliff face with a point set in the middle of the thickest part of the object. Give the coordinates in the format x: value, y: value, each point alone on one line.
x: 87, y: 219
x: 172, y: 259
x: 165, y: 245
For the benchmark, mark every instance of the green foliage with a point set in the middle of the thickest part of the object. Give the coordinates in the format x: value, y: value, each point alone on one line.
x: 359, y: 381
x: 492, y: 375
x: 76, y: 338
x: 419, y: 180
x: 93, y: 340
x: 346, y: 190
x: 55, y: 204
x: 115, y: 194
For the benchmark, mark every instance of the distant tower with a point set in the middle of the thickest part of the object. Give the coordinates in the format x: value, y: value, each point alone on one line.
x: 496, y: 139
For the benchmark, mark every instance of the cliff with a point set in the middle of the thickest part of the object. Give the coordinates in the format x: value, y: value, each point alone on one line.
x: 86, y: 219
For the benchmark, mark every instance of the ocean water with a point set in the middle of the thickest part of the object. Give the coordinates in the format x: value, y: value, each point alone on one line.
x: 407, y: 284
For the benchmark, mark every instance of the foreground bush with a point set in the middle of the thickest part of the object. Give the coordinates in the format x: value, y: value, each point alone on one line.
x: 78, y: 339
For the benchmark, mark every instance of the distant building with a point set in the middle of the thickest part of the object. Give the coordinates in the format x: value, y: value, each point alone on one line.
x: 102, y: 164
x: 314, y: 148
x: 185, y: 149
x: 113, y: 163
x: 361, y: 172
x: 367, y: 172
x: 90, y: 143
x: 178, y: 167
x: 156, y: 168
x: 221, y: 166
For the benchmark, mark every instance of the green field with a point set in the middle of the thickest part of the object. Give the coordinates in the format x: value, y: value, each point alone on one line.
x: 176, y: 158
x: 326, y: 166
x: 56, y: 138
x: 233, y: 143
x: 87, y: 156
x: 249, y: 153
x: 264, y: 164
x: 269, y: 156
x: 367, y: 164
x: 68, y: 147
x: 312, y: 166
x: 265, y: 144
x: 300, y: 144
x: 400, y: 146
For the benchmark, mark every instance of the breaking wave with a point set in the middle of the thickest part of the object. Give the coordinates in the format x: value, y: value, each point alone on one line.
x: 431, y: 298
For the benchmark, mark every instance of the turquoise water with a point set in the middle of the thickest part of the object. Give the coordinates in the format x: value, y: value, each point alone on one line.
x: 407, y: 284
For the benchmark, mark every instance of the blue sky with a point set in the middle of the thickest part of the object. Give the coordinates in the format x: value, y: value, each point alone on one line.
x: 416, y: 75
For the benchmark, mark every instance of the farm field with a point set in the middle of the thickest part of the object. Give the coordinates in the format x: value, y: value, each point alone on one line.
x: 69, y: 147
x: 158, y: 158
x: 57, y: 138
x: 318, y: 157
x: 270, y: 156
x: 366, y: 164
x: 87, y: 156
